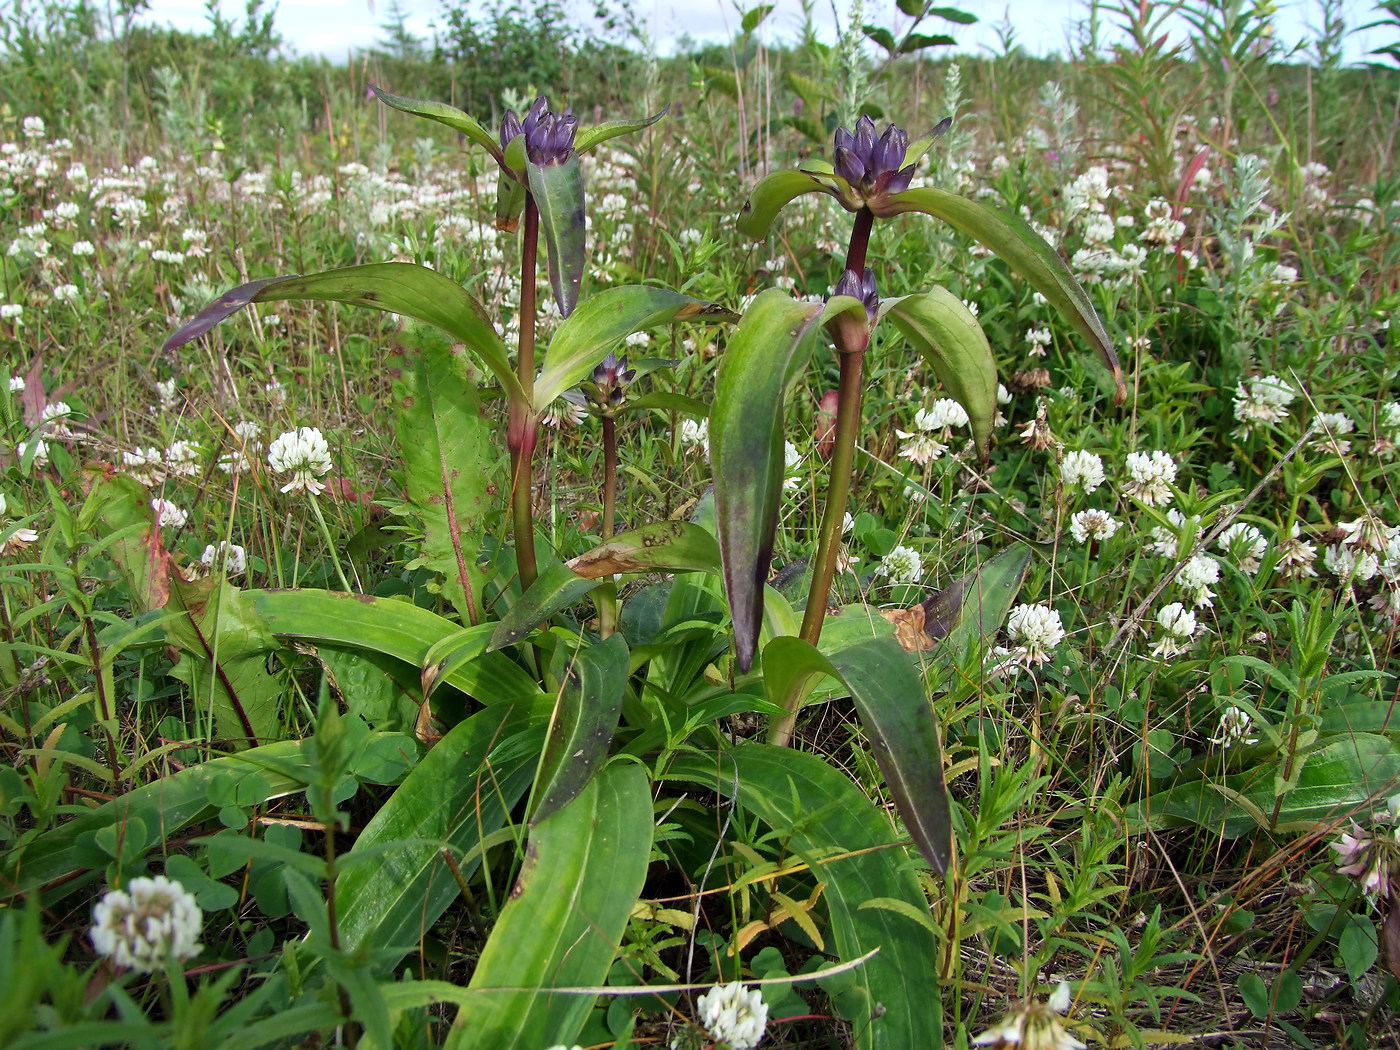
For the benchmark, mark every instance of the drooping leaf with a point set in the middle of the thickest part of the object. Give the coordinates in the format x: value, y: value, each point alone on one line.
x: 586, y: 138
x: 892, y: 1000
x: 441, y: 112
x: 398, y: 629
x: 722, y: 80
x: 881, y: 36
x: 913, y: 8
x: 952, y: 14
x: 584, y: 867
x: 898, y: 718
x: 584, y: 720
x: 398, y: 288
x: 775, y: 190
x: 952, y: 343
x: 754, y: 17
x: 983, y: 600
x: 448, y: 459
x: 173, y: 802
x: 121, y: 508
x: 462, y: 791
x: 1011, y: 237
x: 600, y: 325
x: 558, y: 193
x: 663, y: 546
x: 918, y: 41
x: 769, y: 347
x: 556, y: 588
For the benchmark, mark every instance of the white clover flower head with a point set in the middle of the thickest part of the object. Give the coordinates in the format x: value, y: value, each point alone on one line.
x: 1388, y: 418
x: 696, y: 433
x: 54, y: 419
x: 167, y: 391
x: 228, y: 558
x: 1176, y: 627
x: 33, y: 127
x: 182, y: 458
x: 847, y: 523
x: 1234, y: 728
x: 168, y: 515
x: 1243, y: 544
x: 920, y: 447
x: 1351, y: 564
x: 1166, y: 540
x: 1081, y: 471
x: 901, y: 565
x: 155, y: 922
x: 17, y: 384
x: 792, y: 466
x: 83, y: 248
x: 39, y: 448
x: 146, y: 465
x: 941, y: 415
x: 1034, y: 1026
x: 1262, y: 400
x: 1090, y: 525
x: 1150, y: 475
x: 734, y: 1015
x: 65, y: 293
x: 1035, y: 630
x: 1368, y: 533
x: 12, y: 539
x: 1038, y: 339
x: 1296, y: 555
x: 304, y: 454
x: 1195, y: 579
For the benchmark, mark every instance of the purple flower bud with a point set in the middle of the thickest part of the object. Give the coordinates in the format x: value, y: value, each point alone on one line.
x: 609, y: 379
x: 549, y: 136
x: 510, y: 127
x: 870, y: 164
x: 862, y: 287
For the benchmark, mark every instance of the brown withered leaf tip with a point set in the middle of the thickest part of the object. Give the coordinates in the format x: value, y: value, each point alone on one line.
x: 919, y: 627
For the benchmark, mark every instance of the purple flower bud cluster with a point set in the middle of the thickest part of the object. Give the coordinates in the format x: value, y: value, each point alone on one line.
x: 609, y: 379
x: 862, y: 287
x: 549, y: 136
x: 870, y: 164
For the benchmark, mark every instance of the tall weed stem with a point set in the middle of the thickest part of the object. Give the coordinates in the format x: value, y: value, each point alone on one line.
x: 523, y: 426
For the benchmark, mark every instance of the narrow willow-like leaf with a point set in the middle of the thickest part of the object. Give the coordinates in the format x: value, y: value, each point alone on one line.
x: 585, y: 717
x: 591, y: 136
x: 600, y: 325
x: 441, y: 112
x: 774, y: 191
x: 918, y: 41
x: 462, y: 790
x: 770, y: 345
x: 897, y: 716
x: 783, y: 788
x: 1012, y: 238
x: 448, y: 458
x: 394, y: 628
x: 669, y: 401
x: 398, y: 288
x: 950, y: 340
x: 558, y: 193
x: 984, y: 599
x: 584, y: 867
x: 666, y: 546
x: 168, y: 805
x: 557, y: 588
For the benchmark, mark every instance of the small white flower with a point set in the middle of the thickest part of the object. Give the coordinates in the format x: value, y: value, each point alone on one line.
x: 1150, y: 476
x: 696, y: 433
x: 66, y: 293
x: 1244, y: 545
x: 17, y: 384
x: 1035, y: 630
x: 13, y: 539
x: 1234, y: 728
x: 792, y: 463
x: 38, y: 448
x: 734, y: 1015
x: 944, y: 414
x: 168, y: 392
x: 155, y: 923
x: 54, y: 419
x: 146, y: 465
x: 1039, y: 339
x: 901, y: 565
x: 168, y: 514
x: 182, y: 458
x: 1296, y: 555
x: 304, y: 454
x: 1081, y: 471
x: 81, y: 248
x: 1034, y: 1026
x: 1086, y: 525
x: 33, y: 127
x: 1196, y: 576
x: 1262, y: 400
x: 1351, y: 564
x: 230, y: 558
x: 1177, y: 626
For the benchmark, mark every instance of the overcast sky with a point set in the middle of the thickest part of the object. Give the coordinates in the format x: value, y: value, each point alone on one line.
x: 336, y: 27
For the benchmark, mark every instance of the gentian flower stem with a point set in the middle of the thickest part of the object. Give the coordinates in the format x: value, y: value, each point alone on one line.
x: 609, y: 476
x: 524, y: 428
x: 848, y: 419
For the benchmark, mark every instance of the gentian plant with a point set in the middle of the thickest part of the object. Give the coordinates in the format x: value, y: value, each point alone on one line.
x: 566, y: 732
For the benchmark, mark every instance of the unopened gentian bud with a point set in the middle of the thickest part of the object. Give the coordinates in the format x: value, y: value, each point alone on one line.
x: 510, y: 128
x: 862, y: 287
x: 549, y: 136
x: 610, y: 378
x: 871, y: 164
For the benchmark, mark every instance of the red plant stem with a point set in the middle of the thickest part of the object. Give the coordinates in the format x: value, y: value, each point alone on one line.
x: 523, y: 427
x: 609, y: 476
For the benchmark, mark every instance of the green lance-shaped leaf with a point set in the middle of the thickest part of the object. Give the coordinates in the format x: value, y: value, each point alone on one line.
x: 448, y: 460
x: 1012, y: 238
x: 976, y: 605
x: 950, y: 340
x: 770, y: 346
x: 602, y: 322
x: 556, y: 588
x: 166, y: 806
x: 394, y: 628
x: 585, y: 718
x: 441, y: 112
x: 952, y: 14
x: 588, y: 137
x: 397, y: 288
x: 663, y: 546
x: 918, y: 41
x: 584, y: 867
x: 818, y: 811
x: 558, y: 193
x: 774, y: 191
x: 460, y: 793
x: 895, y: 711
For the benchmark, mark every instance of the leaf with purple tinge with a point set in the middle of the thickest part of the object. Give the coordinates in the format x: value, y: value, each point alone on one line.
x: 558, y: 193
